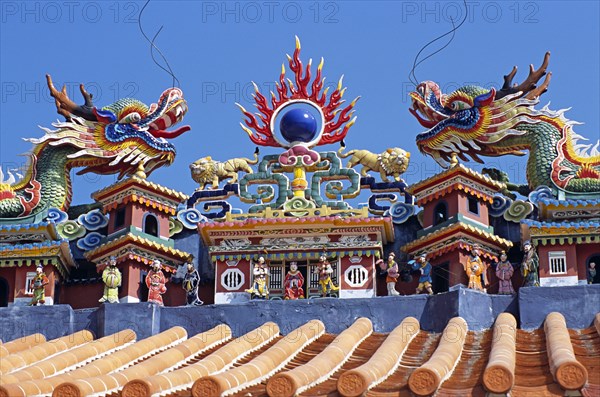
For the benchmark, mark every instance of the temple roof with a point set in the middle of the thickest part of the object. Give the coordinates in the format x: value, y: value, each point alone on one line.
x: 443, y: 239
x: 569, y: 202
x: 563, y: 225
x: 568, y: 232
x: 141, y: 191
x: 137, y: 248
x: 40, y: 231
x: 311, y: 362
x: 50, y: 252
x: 569, y: 209
x: 312, y: 226
x: 458, y: 177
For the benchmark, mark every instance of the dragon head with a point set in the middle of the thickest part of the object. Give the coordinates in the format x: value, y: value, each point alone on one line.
x: 472, y: 120
x: 117, y: 137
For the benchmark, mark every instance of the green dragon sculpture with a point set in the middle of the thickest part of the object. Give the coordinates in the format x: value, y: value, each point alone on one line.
x: 474, y: 121
x: 115, y: 139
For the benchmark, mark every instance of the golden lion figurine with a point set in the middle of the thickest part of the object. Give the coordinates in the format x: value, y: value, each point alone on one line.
x: 207, y: 171
x: 392, y: 162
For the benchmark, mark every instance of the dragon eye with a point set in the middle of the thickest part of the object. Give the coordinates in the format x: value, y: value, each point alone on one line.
x: 130, y: 118
x: 459, y: 105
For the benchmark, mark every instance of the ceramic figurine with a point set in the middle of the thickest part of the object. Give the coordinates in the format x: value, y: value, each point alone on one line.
x: 111, y: 277
x: 155, y: 281
x: 392, y: 274
x: 260, y: 289
x: 504, y: 272
x: 591, y: 273
x: 325, y: 271
x: 530, y: 266
x: 190, y: 284
x: 38, y: 285
x: 294, y: 280
x: 476, y: 270
x: 424, y: 267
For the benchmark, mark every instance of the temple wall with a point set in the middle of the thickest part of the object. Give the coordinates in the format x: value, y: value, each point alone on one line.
x: 82, y: 295
x: 578, y: 304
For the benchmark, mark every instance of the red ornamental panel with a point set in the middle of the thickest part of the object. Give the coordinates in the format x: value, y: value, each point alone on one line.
x: 232, y: 275
x: 356, y: 273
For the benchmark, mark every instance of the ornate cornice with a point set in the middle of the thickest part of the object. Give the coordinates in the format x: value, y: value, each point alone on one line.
x: 213, y: 232
x: 553, y: 233
x: 137, y: 248
x: 455, y: 178
x: 142, y: 192
x: 57, y: 253
x: 458, y: 234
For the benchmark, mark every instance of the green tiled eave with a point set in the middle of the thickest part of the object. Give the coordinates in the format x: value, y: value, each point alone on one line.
x: 455, y: 219
x: 136, y: 232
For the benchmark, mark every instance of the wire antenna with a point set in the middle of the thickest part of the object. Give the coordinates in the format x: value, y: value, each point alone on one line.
x: 153, y: 47
x: 411, y: 75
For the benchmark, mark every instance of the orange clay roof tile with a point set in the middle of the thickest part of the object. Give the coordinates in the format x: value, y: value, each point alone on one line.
x: 357, y: 362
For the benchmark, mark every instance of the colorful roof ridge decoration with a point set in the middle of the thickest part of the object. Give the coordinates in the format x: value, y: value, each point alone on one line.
x: 569, y: 208
x: 335, y: 121
x: 18, y: 227
x: 298, y: 226
x: 134, y: 247
x: 142, y: 191
x: 549, y: 361
x: 566, y: 224
x: 310, y: 220
x: 568, y: 232
x: 50, y: 252
x: 31, y: 232
x: 569, y: 202
x: 305, y: 254
x: 457, y: 234
x: 458, y: 177
x: 319, y: 212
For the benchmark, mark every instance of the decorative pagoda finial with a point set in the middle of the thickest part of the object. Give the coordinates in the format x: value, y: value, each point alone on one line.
x: 140, y: 172
x: 453, y: 160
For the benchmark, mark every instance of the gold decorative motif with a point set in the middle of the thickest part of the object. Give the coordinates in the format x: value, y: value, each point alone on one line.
x: 207, y: 171
x: 392, y: 162
x: 140, y: 172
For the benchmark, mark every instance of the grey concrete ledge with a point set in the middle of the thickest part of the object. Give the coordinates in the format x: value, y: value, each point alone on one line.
x: 579, y: 305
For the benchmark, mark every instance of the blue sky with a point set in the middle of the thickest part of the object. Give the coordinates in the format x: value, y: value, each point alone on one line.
x: 217, y: 48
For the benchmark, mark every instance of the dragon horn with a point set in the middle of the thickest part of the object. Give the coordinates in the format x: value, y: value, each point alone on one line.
x: 66, y: 107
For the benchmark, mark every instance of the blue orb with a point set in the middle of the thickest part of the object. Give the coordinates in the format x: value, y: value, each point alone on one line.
x: 298, y: 125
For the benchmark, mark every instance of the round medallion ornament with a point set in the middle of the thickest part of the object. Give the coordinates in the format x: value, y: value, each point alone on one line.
x: 298, y: 125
